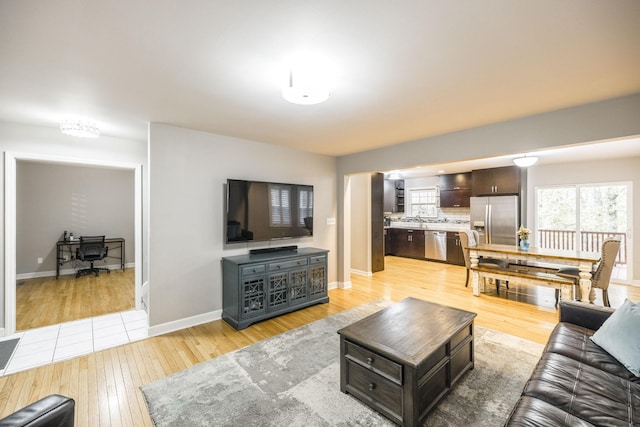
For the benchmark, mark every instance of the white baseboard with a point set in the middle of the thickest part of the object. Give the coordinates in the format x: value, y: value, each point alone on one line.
x: 63, y: 272
x: 361, y: 273
x: 188, y: 322
x: 332, y: 285
x: 344, y: 285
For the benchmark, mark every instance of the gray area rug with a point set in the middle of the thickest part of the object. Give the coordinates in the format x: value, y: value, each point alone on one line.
x: 293, y: 379
x: 7, y: 348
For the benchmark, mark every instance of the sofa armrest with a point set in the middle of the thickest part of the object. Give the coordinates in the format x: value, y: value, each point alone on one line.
x: 587, y: 315
x: 53, y: 410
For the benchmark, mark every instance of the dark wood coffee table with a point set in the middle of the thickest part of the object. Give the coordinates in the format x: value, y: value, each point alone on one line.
x: 403, y: 359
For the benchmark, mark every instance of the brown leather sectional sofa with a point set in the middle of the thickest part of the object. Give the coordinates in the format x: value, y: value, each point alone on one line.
x: 577, y: 383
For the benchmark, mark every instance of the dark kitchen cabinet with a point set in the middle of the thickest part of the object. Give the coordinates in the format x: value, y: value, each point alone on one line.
x: 407, y: 242
x: 495, y: 181
x: 455, y: 190
x: 455, y: 198
x: 377, y: 222
x: 456, y: 181
x: 393, y: 195
x: 454, y: 249
x: 387, y: 241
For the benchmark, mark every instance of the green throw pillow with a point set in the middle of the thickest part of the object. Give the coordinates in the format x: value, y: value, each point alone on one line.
x: 619, y: 336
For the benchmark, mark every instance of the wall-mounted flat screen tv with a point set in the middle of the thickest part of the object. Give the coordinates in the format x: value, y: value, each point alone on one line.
x: 261, y: 211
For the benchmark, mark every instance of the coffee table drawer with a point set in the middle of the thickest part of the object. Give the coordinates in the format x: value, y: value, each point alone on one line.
x: 373, y: 361
x: 384, y: 395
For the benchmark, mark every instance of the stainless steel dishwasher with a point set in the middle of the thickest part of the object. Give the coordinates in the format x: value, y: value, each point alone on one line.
x: 435, y: 245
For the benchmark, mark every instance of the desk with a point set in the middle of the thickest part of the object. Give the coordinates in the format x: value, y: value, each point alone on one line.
x: 583, y: 260
x: 68, y: 247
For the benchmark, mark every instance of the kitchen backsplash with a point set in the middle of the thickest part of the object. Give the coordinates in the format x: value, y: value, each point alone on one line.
x: 454, y: 214
x: 450, y: 214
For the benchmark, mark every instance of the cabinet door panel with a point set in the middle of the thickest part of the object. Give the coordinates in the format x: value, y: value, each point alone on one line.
x: 496, y: 181
x: 278, y: 290
x: 317, y: 282
x: 252, y: 296
x: 455, y: 198
x: 507, y: 180
x: 456, y: 181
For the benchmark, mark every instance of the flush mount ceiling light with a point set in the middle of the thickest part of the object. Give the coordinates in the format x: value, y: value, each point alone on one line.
x: 304, y: 94
x: 525, y: 161
x: 308, y: 81
x: 79, y: 128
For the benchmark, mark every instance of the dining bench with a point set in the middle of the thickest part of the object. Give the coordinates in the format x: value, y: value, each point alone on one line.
x: 528, y: 275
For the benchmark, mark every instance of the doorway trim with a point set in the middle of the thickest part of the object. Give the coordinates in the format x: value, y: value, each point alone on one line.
x: 10, y: 226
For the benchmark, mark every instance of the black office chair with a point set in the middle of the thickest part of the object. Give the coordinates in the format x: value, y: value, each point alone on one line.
x: 92, y: 249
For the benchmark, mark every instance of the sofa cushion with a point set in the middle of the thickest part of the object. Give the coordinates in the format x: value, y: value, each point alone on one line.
x: 592, y: 395
x: 532, y: 412
x: 574, y: 341
x: 619, y: 336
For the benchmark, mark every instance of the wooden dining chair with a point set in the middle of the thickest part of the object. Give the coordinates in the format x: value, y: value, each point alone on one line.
x: 473, y: 237
x: 601, y: 276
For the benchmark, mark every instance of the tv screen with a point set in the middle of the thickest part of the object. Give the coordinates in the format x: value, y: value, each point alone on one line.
x: 261, y: 211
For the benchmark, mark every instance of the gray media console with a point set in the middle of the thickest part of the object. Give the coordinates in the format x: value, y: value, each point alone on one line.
x: 256, y: 287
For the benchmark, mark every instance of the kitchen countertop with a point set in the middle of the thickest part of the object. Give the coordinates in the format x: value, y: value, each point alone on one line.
x: 434, y: 226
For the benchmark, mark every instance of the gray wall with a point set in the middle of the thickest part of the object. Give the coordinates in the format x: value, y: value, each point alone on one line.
x: 614, y: 118
x: 187, y: 177
x: 20, y: 138
x: 52, y: 198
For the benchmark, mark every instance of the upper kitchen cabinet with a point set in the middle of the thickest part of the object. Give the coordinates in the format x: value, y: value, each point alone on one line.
x: 505, y: 180
x: 393, y: 195
x: 455, y: 190
x: 456, y: 181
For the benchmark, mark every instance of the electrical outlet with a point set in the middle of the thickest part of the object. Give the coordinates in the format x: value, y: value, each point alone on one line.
x: 331, y: 221
x: 39, y: 260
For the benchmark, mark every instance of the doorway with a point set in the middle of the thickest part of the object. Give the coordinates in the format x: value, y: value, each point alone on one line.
x: 582, y: 216
x: 11, y: 189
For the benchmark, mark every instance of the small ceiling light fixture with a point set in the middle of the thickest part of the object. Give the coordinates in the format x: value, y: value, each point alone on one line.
x: 525, y: 161
x: 393, y: 175
x: 308, y: 81
x: 79, y: 128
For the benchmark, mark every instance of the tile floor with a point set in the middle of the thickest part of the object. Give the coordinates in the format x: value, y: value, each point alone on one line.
x: 72, y: 339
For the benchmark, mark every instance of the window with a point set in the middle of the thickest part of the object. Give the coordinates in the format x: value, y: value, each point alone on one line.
x: 280, y: 206
x: 423, y: 202
x: 582, y: 216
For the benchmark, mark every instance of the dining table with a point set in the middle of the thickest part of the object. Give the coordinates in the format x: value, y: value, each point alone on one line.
x: 514, y: 254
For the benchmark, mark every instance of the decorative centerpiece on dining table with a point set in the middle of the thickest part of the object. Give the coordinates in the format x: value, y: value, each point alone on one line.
x: 523, y: 233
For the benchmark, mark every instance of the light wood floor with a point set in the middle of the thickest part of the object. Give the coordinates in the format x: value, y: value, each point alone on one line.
x: 49, y: 301
x: 106, y: 384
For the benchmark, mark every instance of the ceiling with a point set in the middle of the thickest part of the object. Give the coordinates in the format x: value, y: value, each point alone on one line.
x: 621, y: 148
x: 402, y: 70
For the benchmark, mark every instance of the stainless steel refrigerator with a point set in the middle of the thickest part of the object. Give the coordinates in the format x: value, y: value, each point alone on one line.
x: 496, y: 218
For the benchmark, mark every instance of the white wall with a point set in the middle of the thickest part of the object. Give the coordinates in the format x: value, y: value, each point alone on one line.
x: 361, y: 224
x: 614, y: 118
x: 39, y: 140
x: 187, y: 174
